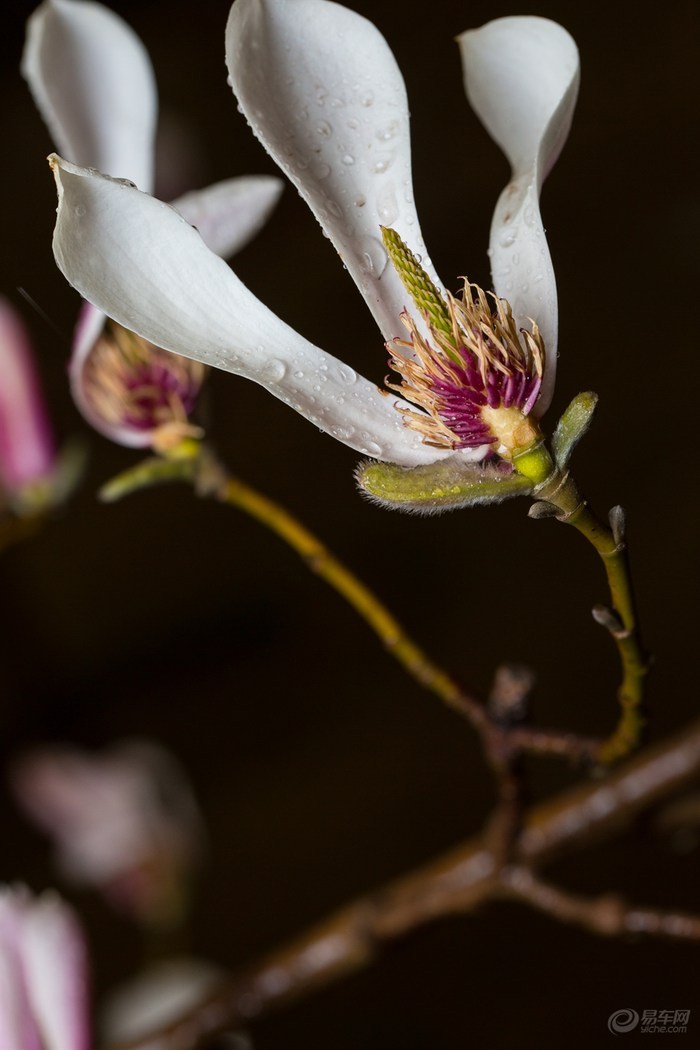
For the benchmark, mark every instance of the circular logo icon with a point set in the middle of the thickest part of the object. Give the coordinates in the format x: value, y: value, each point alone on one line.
x: 623, y: 1021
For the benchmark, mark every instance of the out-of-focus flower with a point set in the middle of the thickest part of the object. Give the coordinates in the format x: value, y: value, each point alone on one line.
x: 43, y: 974
x: 125, y: 821
x: 322, y: 91
x: 92, y: 81
x: 27, y: 450
x: 148, y: 1001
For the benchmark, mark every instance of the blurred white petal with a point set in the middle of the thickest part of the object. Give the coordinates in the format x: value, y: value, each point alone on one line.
x: 228, y: 214
x: 92, y: 81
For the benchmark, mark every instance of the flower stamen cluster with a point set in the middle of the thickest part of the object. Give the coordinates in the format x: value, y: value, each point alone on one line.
x: 474, y: 376
x: 130, y: 382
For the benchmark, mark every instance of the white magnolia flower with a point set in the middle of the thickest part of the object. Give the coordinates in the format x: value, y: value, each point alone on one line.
x: 43, y: 974
x: 322, y: 91
x: 93, y: 83
x: 125, y: 821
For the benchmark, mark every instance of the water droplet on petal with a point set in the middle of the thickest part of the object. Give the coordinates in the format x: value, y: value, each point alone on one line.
x: 508, y: 237
x: 322, y: 170
x: 373, y: 258
x: 298, y: 374
x: 372, y: 449
x: 389, y: 131
x: 324, y: 129
x: 516, y: 258
x: 80, y: 210
x: 348, y: 159
x: 342, y: 433
x: 367, y: 98
x: 360, y: 201
x: 345, y: 374
x: 274, y: 370
x: 529, y: 215
x: 334, y: 208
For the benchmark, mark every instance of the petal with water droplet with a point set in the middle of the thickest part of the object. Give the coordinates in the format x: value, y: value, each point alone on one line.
x: 521, y: 76
x: 362, y: 142
x: 138, y: 260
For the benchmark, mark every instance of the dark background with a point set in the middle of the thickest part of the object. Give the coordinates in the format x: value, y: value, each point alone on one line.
x: 321, y: 768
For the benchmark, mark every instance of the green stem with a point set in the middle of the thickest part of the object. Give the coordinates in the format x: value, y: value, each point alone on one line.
x: 561, y: 491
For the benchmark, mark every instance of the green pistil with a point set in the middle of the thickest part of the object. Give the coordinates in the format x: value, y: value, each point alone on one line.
x: 417, y: 283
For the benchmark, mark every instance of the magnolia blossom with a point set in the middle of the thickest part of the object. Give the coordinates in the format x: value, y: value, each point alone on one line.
x: 322, y: 91
x: 93, y: 83
x: 125, y: 821
x: 43, y: 974
x: 27, y: 450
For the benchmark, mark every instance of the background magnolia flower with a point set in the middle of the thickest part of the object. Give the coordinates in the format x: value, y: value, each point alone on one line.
x: 125, y: 821
x: 43, y: 974
x: 321, y: 89
x: 27, y: 450
x: 93, y: 83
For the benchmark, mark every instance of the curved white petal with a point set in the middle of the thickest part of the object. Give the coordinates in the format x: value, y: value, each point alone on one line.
x: 140, y: 262
x: 27, y: 450
x: 228, y: 214
x: 92, y: 81
x: 55, y: 965
x: 521, y: 75
x: 322, y: 91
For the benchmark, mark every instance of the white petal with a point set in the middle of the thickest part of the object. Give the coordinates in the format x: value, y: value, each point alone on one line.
x: 521, y: 76
x: 323, y: 93
x: 56, y: 971
x: 142, y: 264
x: 92, y: 81
x: 228, y: 214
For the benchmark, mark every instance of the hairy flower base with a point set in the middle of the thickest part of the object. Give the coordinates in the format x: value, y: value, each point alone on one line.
x: 474, y: 377
x: 130, y: 382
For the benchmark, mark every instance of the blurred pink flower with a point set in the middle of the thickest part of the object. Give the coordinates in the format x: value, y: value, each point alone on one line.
x: 125, y: 822
x: 43, y: 974
x: 27, y: 451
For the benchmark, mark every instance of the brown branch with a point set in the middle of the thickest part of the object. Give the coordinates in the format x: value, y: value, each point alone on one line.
x: 608, y: 915
x: 457, y: 882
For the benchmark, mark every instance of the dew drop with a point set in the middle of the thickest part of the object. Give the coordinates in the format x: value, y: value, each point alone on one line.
x: 342, y: 433
x: 372, y: 449
x: 529, y: 216
x: 348, y: 159
x: 274, y: 370
x: 360, y: 201
x: 353, y: 124
x: 324, y: 129
x: 334, y: 208
x: 373, y: 258
x: 516, y: 258
x: 524, y: 287
x: 388, y: 132
x: 367, y: 98
x: 80, y: 210
x: 322, y: 170
x: 298, y: 374
x: 508, y: 237
x: 345, y: 374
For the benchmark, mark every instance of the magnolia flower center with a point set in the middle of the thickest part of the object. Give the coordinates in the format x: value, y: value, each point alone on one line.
x: 474, y: 376
x: 130, y: 382
x: 475, y: 380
